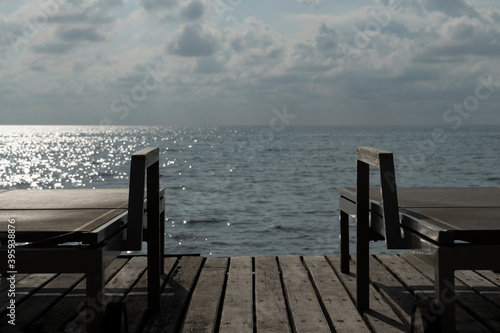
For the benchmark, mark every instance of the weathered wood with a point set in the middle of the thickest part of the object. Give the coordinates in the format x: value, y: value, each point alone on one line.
x: 61, y: 315
x: 41, y: 301
x: 319, y: 290
x: 270, y: 307
x: 393, y: 292
x: 306, y: 312
x: 423, y: 287
x: 204, y: 305
x: 121, y: 283
x: 485, y: 312
x: 237, y: 310
x: 175, y: 296
x: 5, y: 284
x: 334, y: 297
x: 136, y: 300
x: 481, y: 285
x: 371, y: 155
x: 25, y: 288
x: 380, y: 316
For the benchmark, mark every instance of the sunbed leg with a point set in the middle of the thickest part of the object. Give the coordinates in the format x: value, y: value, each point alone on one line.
x: 444, y: 280
x: 162, y: 242
x: 153, y: 240
x: 344, y: 242
x: 95, y: 296
x: 362, y: 237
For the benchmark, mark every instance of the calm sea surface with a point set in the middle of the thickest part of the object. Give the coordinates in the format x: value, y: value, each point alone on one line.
x: 235, y: 191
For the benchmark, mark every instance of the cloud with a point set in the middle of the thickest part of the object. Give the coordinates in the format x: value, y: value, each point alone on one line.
x: 193, y: 11
x: 193, y: 40
x: 453, y: 8
x: 80, y: 34
x: 255, y: 42
x: 52, y: 48
x: 152, y: 5
x: 209, y: 65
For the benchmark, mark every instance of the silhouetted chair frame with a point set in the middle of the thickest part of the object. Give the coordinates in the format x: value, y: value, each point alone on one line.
x: 143, y: 220
x: 381, y: 218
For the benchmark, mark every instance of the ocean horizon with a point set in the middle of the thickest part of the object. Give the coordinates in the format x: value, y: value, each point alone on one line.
x: 247, y: 190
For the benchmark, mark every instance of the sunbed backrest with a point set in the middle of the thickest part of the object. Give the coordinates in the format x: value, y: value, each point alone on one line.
x: 383, y: 160
x: 144, y: 160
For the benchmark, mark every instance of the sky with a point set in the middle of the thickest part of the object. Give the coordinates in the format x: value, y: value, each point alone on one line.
x: 250, y: 62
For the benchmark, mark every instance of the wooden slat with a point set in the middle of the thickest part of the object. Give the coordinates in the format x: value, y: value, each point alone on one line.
x: 306, y: 312
x: 175, y: 296
x: 485, y: 312
x: 24, y: 288
x: 423, y: 287
x: 380, y: 317
x: 61, y: 315
x: 335, y: 299
x: 492, y: 276
x: 136, y: 300
x: 270, y: 307
x: 393, y: 292
x: 481, y: 285
x: 237, y: 310
x: 5, y: 284
x: 204, y: 305
x: 42, y: 300
x: 371, y: 155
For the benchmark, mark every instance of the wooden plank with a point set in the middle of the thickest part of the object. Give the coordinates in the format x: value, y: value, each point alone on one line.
x: 24, y: 289
x: 481, y: 285
x: 5, y: 284
x: 136, y: 300
x: 41, y: 301
x: 305, y: 309
x: 203, y: 308
x: 270, y: 307
x: 482, y: 310
x: 492, y: 276
x: 422, y: 286
x: 122, y: 282
x: 237, y: 310
x: 380, y: 317
x: 66, y: 198
x: 335, y: 299
x: 117, y: 287
x: 60, y: 316
x: 394, y: 293
x: 175, y: 296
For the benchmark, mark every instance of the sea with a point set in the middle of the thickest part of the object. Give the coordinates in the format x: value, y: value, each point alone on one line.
x: 249, y: 190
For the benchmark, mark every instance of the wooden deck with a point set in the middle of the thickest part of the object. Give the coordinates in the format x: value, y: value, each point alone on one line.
x: 261, y: 294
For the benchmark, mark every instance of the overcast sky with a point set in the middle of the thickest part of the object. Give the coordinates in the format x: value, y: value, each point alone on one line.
x: 218, y: 62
